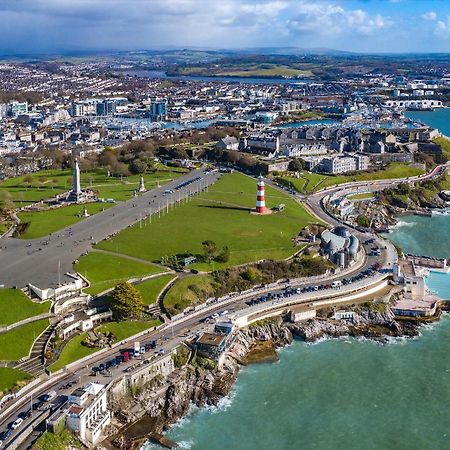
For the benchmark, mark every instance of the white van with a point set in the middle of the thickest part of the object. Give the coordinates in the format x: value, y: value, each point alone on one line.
x: 336, y: 284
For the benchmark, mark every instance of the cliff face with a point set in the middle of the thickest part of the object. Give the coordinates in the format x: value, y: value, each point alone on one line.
x: 167, y: 401
x: 370, y: 324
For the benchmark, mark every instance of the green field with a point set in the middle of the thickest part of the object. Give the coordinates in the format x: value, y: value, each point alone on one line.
x: 271, y: 70
x: 180, y: 296
x: 43, y: 223
x: 11, y: 378
x: 150, y: 289
x: 16, y: 344
x: 223, y: 216
x: 104, y: 270
x: 16, y: 306
x: 74, y: 350
x: 312, y: 182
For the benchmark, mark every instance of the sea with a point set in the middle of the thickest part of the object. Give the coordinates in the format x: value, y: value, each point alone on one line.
x: 343, y: 394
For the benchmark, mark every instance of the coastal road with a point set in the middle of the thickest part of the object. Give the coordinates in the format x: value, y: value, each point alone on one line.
x: 193, y: 322
x: 44, y: 262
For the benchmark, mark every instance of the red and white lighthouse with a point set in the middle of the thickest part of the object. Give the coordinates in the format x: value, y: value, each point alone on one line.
x: 260, y: 197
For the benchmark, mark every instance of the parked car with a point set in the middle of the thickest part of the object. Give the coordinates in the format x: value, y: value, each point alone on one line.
x: 16, y: 423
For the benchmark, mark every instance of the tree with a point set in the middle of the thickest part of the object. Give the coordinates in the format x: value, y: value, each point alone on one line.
x: 137, y: 166
x: 126, y: 301
x: 28, y: 179
x: 224, y: 255
x: 363, y: 221
x: 6, y: 202
x: 210, y: 250
x: 296, y: 165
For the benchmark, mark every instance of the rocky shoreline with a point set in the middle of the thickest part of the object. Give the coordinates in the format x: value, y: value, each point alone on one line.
x: 162, y: 404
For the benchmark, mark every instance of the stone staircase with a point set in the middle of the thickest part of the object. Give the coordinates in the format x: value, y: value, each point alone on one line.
x: 35, y: 364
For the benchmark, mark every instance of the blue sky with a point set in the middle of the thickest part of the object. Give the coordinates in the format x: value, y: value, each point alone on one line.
x: 354, y: 25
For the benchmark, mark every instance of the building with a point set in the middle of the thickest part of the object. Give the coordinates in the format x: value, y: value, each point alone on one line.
x: 344, y: 163
x: 340, y: 246
x: 17, y: 108
x: 88, y: 413
x: 212, y: 345
x: 228, y: 143
x: 105, y: 108
x: 158, y: 110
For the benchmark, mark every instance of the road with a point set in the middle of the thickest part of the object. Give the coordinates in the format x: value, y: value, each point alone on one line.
x: 171, y: 335
x: 44, y: 262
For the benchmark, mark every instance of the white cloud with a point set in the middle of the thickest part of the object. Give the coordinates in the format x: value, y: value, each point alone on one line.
x: 430, y: 15
x: 334, y: 19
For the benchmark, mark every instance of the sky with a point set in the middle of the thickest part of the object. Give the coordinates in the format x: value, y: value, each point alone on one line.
x: 375, y: 26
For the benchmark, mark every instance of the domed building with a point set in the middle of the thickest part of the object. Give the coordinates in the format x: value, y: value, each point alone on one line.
x: 340, y: 246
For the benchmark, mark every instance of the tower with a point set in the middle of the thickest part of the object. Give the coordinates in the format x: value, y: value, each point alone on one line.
x: 76, y: 193
x: 142, y: 185
x: 260, y: 197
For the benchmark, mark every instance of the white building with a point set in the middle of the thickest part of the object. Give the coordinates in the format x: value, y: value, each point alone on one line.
x: 88, y: 414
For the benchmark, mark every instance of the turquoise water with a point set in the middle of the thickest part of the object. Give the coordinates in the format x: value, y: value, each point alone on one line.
x: 422, y: 235
x: 440, y: 118
x: 345, y: 393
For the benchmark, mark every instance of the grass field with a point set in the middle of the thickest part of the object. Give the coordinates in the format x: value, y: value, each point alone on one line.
x: 11, y: 378
x: 180, y: 296
x: 150, y: 289
x: 60, y: 441
x: 271, y: 70
x: 16, y: 306
x: 223, y: 216
x: 312, y: 182
x: 104, y: 271
x: 43, y: 223
x: 74, y: 350
x: 16, y: 344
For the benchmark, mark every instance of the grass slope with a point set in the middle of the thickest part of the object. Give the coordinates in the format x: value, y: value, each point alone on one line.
x: 11, y: 378
x: 16, y: 306
x: 221, y: 215
x: 312, y: 182
x: 16, y: 344
x: 150, y: 289
x: 182, y: 294
x: 104, y: 271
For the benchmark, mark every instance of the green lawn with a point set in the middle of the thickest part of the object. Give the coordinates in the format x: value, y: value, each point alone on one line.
x: 223, y: 216
x: 43, y: 223
x: 364, y: 196
x: 445, y: 146
x: 11, y: 378
x: 180, y: 296
x: 16, y: 306
x: 104, y: 271
x: 16, y: 344
x: 150, y: 289
x: 312, y: 182
x: 74, y: 350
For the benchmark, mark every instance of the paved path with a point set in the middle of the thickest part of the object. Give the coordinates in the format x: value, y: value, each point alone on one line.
x: 44, y: 265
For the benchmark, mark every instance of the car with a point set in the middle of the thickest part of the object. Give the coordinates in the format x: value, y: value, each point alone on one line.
x: 16, y: 424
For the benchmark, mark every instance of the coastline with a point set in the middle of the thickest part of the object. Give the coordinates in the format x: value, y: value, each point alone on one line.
x: 255, y: 344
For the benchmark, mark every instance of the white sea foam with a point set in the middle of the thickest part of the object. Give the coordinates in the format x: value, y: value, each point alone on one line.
x: 402, y: 223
